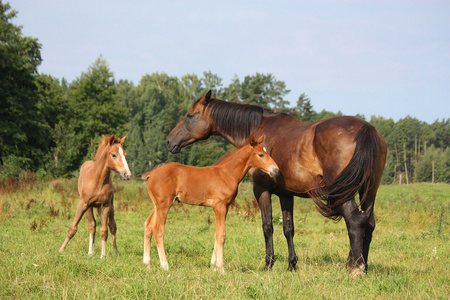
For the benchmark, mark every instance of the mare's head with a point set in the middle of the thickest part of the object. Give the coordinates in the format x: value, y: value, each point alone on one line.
x: 195, y: 125
x: 114, y: 155
x: 260, y: 159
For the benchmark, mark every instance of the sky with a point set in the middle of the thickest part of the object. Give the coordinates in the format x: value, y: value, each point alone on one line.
x: 383, y: 58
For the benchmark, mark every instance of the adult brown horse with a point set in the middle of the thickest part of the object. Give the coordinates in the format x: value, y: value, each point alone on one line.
x: 330, y: 161
x: 96, y: 190
x: 215, y: 186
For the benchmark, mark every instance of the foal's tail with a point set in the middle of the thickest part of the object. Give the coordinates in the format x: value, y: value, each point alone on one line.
x: 146, y: 175
x: 358, y: 175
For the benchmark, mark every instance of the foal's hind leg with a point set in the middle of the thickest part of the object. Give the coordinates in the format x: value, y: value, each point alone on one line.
x: 91, y: 225
x: 81, y: 209
x: 158, y: 232
x: 220, y: 212
x: 148, y: 232
x: 356, y: 222
x: 113, y: 226
x: 104, y: 214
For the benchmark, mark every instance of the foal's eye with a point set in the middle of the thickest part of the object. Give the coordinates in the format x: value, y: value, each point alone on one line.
x: 261, y: 155
x: 114, y: 155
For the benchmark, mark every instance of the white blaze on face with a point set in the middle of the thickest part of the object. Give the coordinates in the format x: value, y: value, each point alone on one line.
x: 265, y: 150
x: 124, y: 161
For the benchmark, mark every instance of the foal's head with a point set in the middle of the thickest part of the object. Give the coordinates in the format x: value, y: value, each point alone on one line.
x: 260, y: 159
x: 115, y: 155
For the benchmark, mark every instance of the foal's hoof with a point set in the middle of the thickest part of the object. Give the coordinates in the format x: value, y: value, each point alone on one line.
x: 219, y: 270
x: 165, y: 266
x: 357, y: 273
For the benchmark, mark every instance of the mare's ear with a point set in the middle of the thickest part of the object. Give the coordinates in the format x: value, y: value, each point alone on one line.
x: 122, y: 140
x: 207, y: 97
x: 261, y: 139
x: 251, y: 140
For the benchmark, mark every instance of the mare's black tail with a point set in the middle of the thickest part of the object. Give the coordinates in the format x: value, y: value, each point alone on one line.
x: 356, y: 177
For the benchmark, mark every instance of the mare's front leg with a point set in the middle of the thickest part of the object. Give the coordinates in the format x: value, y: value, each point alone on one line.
x: 91, y: 225
x: 356, y: 222
x: 287, y: 206
x: 220, y: 211
x: 263, y: 196
x: 81, y: 209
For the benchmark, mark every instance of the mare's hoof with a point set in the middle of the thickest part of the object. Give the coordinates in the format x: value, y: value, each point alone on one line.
x: 357, y: 273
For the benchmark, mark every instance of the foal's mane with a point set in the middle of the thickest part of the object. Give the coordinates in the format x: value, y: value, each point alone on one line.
x: 106, y: 140
x: 236, y: 119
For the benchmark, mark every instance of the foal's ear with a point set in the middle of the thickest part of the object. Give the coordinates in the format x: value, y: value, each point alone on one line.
x: 110, y: 139
x: 261, y: 139
x: 122, y: 140
x: 251, y: 140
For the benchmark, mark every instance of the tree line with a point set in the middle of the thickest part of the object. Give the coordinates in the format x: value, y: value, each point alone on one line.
x: 50, y: 126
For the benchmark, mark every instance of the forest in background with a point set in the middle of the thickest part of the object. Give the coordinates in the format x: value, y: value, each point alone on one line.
x: 49, y: 126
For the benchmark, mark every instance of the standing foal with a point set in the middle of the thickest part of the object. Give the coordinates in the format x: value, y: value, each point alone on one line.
x: 96, y: 190
x: 215, y: 186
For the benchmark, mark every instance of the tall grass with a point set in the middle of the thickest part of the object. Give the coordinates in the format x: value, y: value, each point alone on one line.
x: 409, y: 255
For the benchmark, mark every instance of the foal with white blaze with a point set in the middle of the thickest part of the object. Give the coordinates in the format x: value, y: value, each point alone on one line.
x: 96, y: 190
x: 215, y: 186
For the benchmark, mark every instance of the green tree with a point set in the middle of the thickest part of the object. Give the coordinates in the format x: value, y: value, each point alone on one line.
x: 94, y: 108
x: 22, y: 128
x: 264, y: 90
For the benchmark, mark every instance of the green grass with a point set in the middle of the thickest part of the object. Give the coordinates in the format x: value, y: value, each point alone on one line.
x: 409, y: 256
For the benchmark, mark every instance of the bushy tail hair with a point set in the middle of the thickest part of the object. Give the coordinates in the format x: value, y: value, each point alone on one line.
x: 356, y: 177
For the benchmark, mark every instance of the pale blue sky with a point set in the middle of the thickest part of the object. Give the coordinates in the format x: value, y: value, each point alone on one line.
x: 384, y: 58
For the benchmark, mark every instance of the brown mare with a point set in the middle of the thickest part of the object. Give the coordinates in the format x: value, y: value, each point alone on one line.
x: 96, y: 190
x: 329, y: 160
x: 215, y: 186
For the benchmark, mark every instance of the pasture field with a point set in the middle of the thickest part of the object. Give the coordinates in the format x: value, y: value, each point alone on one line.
x: 409, y: 256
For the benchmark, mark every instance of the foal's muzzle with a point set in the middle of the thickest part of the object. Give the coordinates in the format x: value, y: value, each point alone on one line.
x: 126, y: 175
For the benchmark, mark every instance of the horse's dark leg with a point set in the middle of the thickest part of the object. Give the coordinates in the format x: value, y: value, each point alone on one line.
x: 368, y: 209
x: 356, y: 222
x: 287, y: 206
x: 263, y: 197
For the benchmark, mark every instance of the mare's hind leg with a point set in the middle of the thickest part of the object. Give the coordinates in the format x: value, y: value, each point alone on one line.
x: 113, y: 227
x: 91, y: 225
x: 287, y: 206
x: 81, y: 209
x: 356, y: 222
x: 368, y: 208
x: 263, y: 197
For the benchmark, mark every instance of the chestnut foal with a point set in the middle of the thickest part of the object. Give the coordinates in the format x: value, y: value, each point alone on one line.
x: 96, y: 190
x: 215, y: 186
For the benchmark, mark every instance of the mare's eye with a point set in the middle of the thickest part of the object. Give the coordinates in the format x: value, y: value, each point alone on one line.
x: 261, y: 155
x: 114, y: 155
